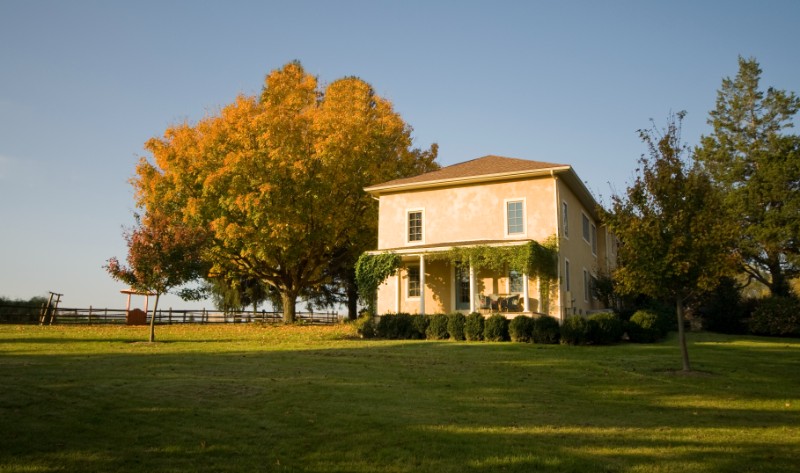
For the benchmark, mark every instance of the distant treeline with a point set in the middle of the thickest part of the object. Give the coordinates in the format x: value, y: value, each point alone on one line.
x: 20, y: 310
x: 32, y: 302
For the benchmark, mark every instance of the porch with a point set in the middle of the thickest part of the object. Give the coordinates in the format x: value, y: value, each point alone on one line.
x: 433, y: 280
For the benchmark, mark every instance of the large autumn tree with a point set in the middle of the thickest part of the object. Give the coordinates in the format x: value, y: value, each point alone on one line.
x: 278, y: 179
x: 757, y: 165
x: 675, y: 241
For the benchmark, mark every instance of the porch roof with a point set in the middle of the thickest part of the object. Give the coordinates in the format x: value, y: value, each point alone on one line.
x: 440, y: 247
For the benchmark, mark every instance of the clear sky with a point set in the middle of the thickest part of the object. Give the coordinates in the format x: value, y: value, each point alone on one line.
x: 83, y: 84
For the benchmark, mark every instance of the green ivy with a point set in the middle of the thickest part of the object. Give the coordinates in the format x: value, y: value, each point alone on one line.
x: 534, y: 258
x: 371, y: 271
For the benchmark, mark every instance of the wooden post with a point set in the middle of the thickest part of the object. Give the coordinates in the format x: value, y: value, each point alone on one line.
x: 55, y: 309
x: 90, y: 315
x: 170, y: 315
x: 46, y: 309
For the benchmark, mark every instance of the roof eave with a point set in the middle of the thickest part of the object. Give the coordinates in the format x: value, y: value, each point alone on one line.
x: 411, y: 250
x: 379, y: 189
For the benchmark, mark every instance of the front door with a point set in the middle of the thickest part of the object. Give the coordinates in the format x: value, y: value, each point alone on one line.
x: 462, y: 287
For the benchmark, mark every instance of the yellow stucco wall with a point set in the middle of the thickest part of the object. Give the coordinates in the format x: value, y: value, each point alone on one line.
x: 577, y: 249
x: 467, y: 213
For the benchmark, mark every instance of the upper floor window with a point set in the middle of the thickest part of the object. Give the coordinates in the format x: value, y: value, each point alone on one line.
x: 565, y: 218
x: 515, y: 222
x: 415, y: 226
x: 594, y: 239
x: 586, y: 232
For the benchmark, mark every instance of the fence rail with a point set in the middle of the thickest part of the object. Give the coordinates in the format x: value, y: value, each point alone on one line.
x: 72, y: 316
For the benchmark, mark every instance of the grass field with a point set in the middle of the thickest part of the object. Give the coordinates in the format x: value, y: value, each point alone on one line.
x: 250, y: 398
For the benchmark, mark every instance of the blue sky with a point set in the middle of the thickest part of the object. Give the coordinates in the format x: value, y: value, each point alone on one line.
x: 83, y: 84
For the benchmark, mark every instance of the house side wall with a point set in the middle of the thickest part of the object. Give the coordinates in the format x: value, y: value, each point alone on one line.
x: 467, y: 213
x: 577, y: 249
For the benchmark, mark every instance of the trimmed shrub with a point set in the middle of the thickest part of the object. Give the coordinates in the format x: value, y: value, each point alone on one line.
x: 604, y: 328
x: 520, y: 329
x: 473, y: 327
x: 546, y: 330
x: 644, y: 327
x: 396, y: 327
x: 455, y: 325
x: 776, y: 316
x: 365, y: 326
x: 420, y: 323
x: 574, y: 330
x: 495, y: 328
x: 437, y: 327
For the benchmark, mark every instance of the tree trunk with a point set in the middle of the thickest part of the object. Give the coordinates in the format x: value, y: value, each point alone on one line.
x: 289, y: 299
x: 778, y: 285
x: 153, y: 320
x: 352, y: 301
x: 682, y: 335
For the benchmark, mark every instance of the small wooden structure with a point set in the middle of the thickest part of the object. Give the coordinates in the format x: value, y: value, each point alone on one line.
x: 136, y: 316
x: 49, y: 310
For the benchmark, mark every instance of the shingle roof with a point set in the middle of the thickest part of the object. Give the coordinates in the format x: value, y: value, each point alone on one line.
x: 485, y: 166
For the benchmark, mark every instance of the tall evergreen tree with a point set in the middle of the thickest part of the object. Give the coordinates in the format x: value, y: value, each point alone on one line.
x: 757, y: 166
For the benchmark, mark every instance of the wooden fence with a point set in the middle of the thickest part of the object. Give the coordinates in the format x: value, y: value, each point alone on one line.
x: 91, y: 316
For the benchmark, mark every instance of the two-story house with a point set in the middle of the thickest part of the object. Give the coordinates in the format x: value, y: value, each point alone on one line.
x: 490, y: 201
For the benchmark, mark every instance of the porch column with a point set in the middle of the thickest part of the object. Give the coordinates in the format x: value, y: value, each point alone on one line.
x: 398, y: 290
x: 471, y: 288
x: 526, y: 306
x: 421, y: 284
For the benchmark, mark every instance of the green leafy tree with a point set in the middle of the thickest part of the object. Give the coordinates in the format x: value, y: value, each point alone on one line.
x: 757, y: 165
x: 674, y: 239
x: 162, y: 256
x: 278, y: 179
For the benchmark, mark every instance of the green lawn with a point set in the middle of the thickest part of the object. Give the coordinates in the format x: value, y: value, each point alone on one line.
x: 252, y: 398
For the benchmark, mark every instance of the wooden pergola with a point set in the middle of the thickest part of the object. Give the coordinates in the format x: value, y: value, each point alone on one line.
x: 133, y: 292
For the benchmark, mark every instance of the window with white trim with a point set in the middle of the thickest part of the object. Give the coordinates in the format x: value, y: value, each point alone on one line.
x: 415, y: 226
x: 565, y: 218
x: 587, y: 234
x: 587, y: 290
x: 594, y: 239
x: 515, y: 222
x: 566, y: 274
x: 514, y: 282
x: 413, y: 282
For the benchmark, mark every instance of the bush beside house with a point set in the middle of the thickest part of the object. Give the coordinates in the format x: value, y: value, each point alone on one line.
x: 473, y: 328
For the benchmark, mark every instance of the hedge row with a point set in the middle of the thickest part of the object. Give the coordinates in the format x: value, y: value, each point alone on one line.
x: 457, y: 326
x: 603, y: 328
x: 725, y: 310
